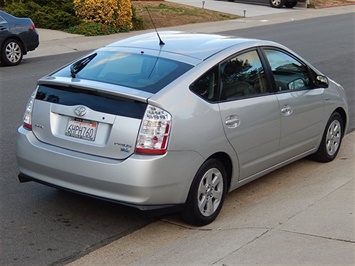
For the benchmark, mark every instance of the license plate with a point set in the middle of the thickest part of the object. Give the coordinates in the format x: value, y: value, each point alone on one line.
x: 81, y: 129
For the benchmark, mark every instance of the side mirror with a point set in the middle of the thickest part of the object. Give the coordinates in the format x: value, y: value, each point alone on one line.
x: 321, y: 81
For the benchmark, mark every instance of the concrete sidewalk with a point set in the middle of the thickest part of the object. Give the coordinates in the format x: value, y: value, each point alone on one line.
x: 302, y: 214
x: 57, y: 42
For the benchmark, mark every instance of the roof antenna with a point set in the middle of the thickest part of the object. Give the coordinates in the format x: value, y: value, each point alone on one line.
x: 160, y: 40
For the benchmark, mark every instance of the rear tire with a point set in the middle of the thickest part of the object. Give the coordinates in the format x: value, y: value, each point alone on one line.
x: 331, y: 140
x: 206, y: 194
x: 276, y: 3
x: 11, y: 53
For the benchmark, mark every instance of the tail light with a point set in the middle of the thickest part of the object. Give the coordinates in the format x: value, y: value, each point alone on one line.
x: 154, y: 132
x: 32, y: 26
x: 27, y: 117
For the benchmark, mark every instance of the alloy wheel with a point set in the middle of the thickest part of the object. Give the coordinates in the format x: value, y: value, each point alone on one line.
x: 210, y: 192
x: 333, y: 137
x: 276, y: 3
x: 13, y: 52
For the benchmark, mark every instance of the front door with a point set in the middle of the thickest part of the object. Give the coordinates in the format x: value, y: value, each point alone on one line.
x: 301, y: 105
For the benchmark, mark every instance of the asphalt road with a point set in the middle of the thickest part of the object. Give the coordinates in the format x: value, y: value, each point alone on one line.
x: 44, y: 226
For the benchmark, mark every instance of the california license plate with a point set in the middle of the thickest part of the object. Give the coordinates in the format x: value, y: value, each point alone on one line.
x: 81, y: 129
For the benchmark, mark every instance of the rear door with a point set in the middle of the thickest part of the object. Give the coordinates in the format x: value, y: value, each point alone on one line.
x: 250, y: 113
x: 301, y: 104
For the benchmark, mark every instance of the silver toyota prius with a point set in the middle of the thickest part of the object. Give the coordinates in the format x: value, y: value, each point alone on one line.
x: 178, y: 120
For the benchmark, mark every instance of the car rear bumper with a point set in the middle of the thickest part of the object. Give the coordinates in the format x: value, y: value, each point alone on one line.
x: 30, y: 40
x: 146, y: 182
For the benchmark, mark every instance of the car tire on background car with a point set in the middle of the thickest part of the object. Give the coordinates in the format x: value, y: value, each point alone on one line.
x: 290, y: 4
x: 276, y: 3
x: 206, y: 194
x: 11, y: 53
x: 331, y: 140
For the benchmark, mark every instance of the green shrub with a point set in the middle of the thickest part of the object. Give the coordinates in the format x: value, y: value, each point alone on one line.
x: 91, y: 29
x: 56, y: 15
x: 98, y: 17
x: 138, y: 23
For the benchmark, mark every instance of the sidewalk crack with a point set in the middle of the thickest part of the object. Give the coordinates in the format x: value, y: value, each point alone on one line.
x: 317, y: 236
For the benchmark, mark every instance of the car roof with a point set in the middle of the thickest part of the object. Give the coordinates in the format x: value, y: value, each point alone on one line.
x: 6, y: 15
x: 199, y: 46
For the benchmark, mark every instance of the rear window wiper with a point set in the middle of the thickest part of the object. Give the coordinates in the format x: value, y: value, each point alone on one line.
x: 79, y: 65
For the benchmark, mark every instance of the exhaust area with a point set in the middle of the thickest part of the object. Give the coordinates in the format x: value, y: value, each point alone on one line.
x: 24, y: 178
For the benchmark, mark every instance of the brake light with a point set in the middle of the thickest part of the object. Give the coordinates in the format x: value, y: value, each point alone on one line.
x: 27, y: 117
x: 32, y: 26
x: 154, y: 132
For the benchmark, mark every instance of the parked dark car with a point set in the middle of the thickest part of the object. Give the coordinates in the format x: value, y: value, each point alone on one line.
x: 17, y: 37
x: 281, y: 3
x: 273, y: 3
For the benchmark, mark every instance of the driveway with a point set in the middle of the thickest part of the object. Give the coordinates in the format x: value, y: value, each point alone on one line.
x: 237, y: 8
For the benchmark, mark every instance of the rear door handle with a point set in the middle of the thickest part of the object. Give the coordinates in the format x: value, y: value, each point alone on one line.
x: 232, y: 121
x: 287, y: 110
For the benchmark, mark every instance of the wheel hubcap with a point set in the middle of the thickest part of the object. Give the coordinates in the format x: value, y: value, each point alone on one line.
x: 333, y: 137
x: 210, y: 192
x: 276, y: 2
x: 13, y: 52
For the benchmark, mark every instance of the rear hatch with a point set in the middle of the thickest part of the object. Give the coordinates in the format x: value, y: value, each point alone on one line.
x: 87, y: 119
x: 96, y: 104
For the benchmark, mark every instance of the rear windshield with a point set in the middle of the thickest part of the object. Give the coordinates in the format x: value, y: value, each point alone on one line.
x: 138, y: 71
x: 97, y: 101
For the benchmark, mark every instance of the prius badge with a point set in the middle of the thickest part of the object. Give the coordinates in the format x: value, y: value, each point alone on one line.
x: 80, y: 111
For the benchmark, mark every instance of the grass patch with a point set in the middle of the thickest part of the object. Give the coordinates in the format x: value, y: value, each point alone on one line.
x: 167, y: 14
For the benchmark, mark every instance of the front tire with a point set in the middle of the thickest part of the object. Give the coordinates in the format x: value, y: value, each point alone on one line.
x: 11, y: 53
x: 206, y: 194
x: 276, y: 3
x: 331, y: 140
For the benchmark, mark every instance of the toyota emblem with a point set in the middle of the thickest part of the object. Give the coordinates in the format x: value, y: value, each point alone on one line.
x: 80, y: 111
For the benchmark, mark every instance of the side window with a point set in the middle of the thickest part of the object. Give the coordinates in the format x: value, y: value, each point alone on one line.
x: 2, y: 20
x: 242, y: 76
x: 289, y: 73
x: 206, y: 86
